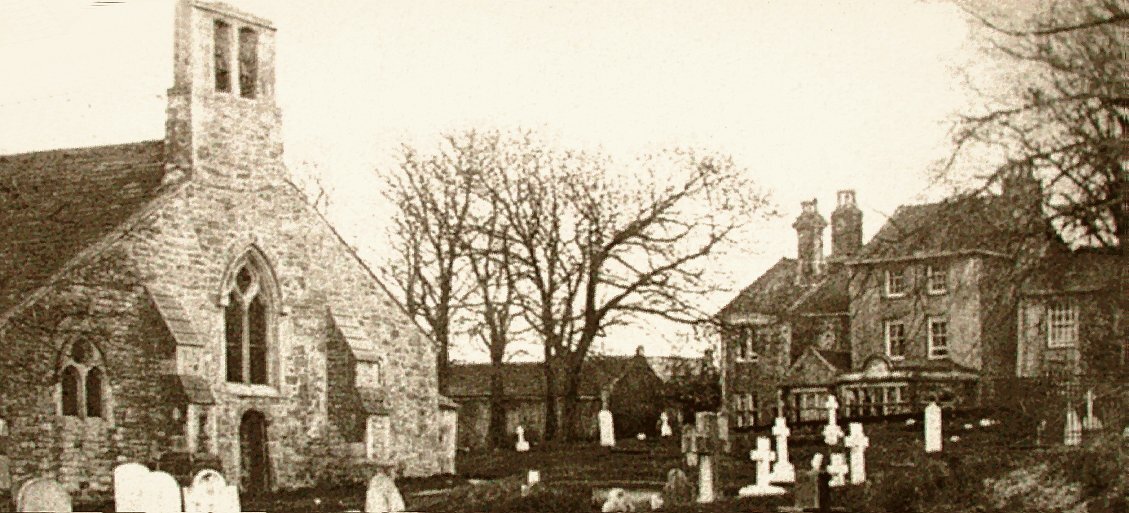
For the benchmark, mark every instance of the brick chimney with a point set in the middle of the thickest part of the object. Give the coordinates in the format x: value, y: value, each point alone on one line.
x: 846, y: 226
x: 809, y: 234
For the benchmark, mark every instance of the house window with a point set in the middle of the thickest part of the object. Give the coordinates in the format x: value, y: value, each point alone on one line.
x: 82, y: 382
x: 248, y: 62
x: 1062, y: 325
x: 895, y: 282
x: 247, y: 323
x: 746, y: 409
x: 896, y: 339
x: 936, y: 279
x: 746, y: 344
x: 222, y: 52
x: 938, y: 338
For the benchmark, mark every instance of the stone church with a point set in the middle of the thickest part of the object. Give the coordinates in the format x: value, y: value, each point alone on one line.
x: 178, y: 301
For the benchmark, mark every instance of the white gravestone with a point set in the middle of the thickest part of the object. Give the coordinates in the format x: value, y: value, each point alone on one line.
x: 763, y: 457
x: 832, y: 432
x: 162, y: 493
x: 1091, y: 422
x: 934, y: 438
x: 43, y: 495
x: 616, y: 502
x: 706, y: 443
x: 208, y: 493
x: 782, y: 471
x: 607, y: 428
x: 1072, y: 430
x: 522, y: 445
x: 665, y: 430
x: 817, y: 462
x: 838, y: 469
x: 383, y: 496
x: 856, y: 443
x: 129, y: 486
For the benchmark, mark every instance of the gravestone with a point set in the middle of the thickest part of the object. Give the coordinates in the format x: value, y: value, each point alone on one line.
x: 806, y: 493
x: 763, y: 457
x: 1072, y: 429
x: 43, y: 494
x: 162, y: 493
x: 208, y: 493
x: 616, y: 502
x: 129, y: 486
x: 707, y: 445
x: 677, y: 491
x: 933, y: 434
x: 838, y: 469
x: 522, y: 445
x: 656, y: 502
x: 606, y: 421
x: 782, y: 471
x: 689, y: 447
x: 533, y: 477
x: 832, y: 433
x: 382, y: 495
x: 1091, y: 422
x: 856, y: 443
x: 664, y: 429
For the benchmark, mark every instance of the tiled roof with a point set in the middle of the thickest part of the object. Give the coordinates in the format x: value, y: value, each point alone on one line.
x: 176, y: 318
x: 830, y: 296
x: 55, y: 204
x: 772, y: 293
x: 841, y: 360
x: 363, y: 348
x: 958, y: 224
x: 193, y: 389
x: 527, y: 379
x: 1083, y: 270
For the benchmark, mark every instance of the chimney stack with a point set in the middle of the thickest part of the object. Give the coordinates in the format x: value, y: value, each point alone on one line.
x: 809, y: 234
x: 846, y: 226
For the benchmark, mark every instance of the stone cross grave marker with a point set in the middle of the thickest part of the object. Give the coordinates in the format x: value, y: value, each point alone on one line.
x: 208, y: 493
x: 689, y: 448
x: 782, y: 471
x: 832, y: 433
x: 129, y: 486
x: 522, y: 445
x: 664, y: 429
x: 162, y: 493
x: 382, y: 495
x: 1072, y: 429
x: 606, y: 421
x: 43, y: 494
x: 1091, y: 422
x: 933, y: 433
x: 856, y: 443
x: 706, y: 445
x: 838, y: 469
x: 763, y: 457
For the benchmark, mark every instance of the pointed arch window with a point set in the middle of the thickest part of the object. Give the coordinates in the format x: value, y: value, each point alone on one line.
x: 83, y: 386
x: 247, y: 321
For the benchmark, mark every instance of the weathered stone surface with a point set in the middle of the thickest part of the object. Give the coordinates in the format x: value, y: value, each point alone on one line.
x: 42, y: 495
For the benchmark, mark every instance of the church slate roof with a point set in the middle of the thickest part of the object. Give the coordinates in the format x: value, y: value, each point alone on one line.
x: 55, y: 204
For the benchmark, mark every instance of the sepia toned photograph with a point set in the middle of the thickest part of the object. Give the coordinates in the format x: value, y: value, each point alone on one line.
x: 853, y: 256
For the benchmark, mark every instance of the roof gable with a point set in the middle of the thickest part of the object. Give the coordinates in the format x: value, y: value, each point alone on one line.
x: 772, y: 293
x: 55, y: 204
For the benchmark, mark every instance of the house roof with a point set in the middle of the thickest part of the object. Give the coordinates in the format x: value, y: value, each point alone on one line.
x: 666, y: 367
x: 527, y: 379
x: 55, y: 204
x: 841, y: 360
x: 1082, y: 270
x: 956, y: 225
x: 772, y: 293
x: 829, y: 296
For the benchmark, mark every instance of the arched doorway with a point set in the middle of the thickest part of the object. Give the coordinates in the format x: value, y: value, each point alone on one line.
x: 253, y: 458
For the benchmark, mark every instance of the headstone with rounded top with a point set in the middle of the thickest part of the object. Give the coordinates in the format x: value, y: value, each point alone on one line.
x: 382, y: 495
x: 43, y: 494
x: 606, y: 422
x: 129, y: 486
x: 208, y: 494
x: 934, y: 437
x: 162, y: 493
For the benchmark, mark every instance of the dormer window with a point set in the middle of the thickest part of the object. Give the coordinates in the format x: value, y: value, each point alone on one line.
x: 223, y: 56
x: 248, y: 62
x: 895, y: 282
x: 936, y: 279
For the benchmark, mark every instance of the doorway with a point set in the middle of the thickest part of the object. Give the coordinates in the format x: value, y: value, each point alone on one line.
x: 254, y: 460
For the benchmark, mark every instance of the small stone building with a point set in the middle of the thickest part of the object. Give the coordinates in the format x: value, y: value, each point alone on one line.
x: 179, y: 300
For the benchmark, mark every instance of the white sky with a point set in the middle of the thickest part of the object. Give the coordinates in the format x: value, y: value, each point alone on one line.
x: 811, y: 96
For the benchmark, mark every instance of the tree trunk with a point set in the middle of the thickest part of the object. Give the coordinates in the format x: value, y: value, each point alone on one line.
x: 570, y: 409
x: 497, y: 429
x: 550, y: 396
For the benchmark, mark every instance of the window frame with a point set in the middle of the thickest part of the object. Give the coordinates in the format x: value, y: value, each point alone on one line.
x: 221, y: 54
x: 746, y: 337
x: 265, y: 293
x: 888, y: 283
x: 1071, y: 324
x: 931, y: 337
x: 933, y: 271
x: 887, y: 325
x: 83, y: 368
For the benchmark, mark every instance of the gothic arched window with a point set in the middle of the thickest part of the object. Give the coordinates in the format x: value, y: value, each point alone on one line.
x: 82, y: 382
x: 246, y: 318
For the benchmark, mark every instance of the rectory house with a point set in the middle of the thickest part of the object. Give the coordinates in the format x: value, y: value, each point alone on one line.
x: 178, y: 300
x: 945, y: 301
